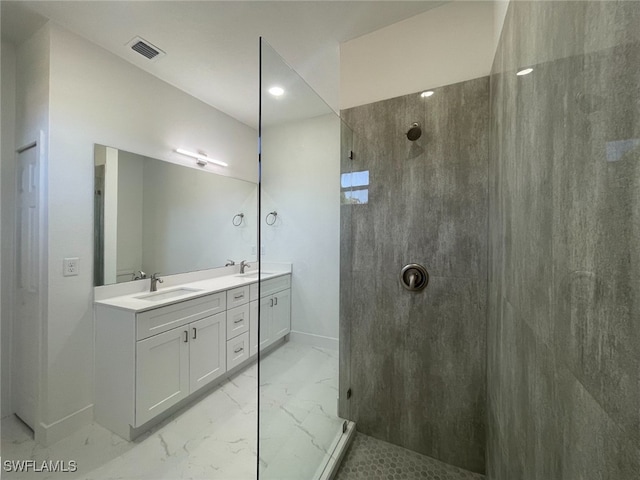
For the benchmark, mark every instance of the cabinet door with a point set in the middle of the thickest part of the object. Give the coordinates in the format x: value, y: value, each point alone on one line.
x: 162, y: 373
x: 208, y: 339
x: 266, y: 315
x: 281, y: 322
x: 253, y: 328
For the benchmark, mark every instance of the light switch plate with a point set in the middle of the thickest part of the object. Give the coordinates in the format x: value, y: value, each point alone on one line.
x: 70, y: 266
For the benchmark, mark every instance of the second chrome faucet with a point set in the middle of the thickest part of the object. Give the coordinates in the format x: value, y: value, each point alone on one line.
x: 243, y: 265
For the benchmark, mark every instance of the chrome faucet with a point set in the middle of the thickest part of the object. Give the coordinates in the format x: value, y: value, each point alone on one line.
x: 154, y: 282
x: 140, y: 275
x: 244, y: 264
x: 230, y: 263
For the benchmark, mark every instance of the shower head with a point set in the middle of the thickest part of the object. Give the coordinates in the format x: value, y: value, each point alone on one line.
x: 414, y: 132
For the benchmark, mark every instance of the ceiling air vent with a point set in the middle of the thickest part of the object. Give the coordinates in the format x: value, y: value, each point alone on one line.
x: 146, y: 49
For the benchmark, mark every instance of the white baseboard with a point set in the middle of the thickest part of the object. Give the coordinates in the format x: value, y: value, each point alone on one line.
x: 47, y: 434
x: 314, y: 340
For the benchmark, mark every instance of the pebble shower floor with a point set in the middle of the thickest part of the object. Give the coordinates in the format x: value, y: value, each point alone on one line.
x: 372, y: 459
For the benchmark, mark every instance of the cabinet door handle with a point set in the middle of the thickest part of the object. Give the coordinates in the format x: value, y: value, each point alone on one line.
x: 271, y: 303
x: 276, y: 300
x: 186, y: 336
x: 195, y: 333
x: 238, y: 350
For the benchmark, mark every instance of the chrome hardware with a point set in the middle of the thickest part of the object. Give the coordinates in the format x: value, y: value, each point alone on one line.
x: 244, y: 264
x: 230, y: 263
x: 271, y: 303
x: 271, y: 218
x: 239, y: 320
x: 238, y: 297
x: 186, y: 336
x: 195, y: 333
x: 140, y: 275
x: 276, y: 300
x: 238, y: 350
x: 154, y: 282
x: 414, y: 277
x: 237, y: 219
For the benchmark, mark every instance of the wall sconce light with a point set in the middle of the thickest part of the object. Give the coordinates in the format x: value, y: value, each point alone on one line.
x: 201, y: 158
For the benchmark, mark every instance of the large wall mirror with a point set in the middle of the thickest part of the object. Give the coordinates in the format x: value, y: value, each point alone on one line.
x: 155, y: 216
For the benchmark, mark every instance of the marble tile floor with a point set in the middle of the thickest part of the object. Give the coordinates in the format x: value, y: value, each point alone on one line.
x: 371, y: 459
x: 298, y: 412
x: 214, y: 438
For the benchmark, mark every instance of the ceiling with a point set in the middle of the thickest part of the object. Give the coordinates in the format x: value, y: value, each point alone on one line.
x: 212, y: 47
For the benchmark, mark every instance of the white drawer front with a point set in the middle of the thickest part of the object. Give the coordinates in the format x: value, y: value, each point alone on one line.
x: 237, y: 350
x: 162, y: 319
x: 237, y: 296
x: 237, y: 321
x: 274, y: 285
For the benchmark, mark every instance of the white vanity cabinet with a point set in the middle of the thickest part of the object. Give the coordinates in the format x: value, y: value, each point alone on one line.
x: 150, y: 358
x: 275, y: 311
x: 149, y: 361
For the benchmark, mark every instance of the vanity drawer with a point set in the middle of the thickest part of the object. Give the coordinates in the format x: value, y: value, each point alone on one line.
x: 274, y: 285
x: 237, y: 296
x: 158, y: 320
x: 237, y: 350
x: 237, y: 321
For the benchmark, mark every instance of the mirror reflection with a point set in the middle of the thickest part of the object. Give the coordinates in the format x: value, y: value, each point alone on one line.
x: 155, y: 216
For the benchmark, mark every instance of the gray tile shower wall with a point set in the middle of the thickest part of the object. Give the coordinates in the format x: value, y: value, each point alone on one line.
x: 417, y: 360
x: 563, y: 335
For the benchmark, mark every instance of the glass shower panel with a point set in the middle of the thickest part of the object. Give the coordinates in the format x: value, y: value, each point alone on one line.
x: 300, y: 196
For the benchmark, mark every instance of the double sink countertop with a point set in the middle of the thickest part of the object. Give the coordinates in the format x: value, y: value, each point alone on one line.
x: 141, y: 301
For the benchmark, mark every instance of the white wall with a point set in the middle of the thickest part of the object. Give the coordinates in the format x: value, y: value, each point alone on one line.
x: 445, y: 45
x: 187, y: 219
x: 7, y: 191
x: 97, y: 98
x: 301, y: 181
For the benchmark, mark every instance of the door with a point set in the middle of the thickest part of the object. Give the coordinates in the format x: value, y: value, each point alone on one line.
x: 207, y: 359
x: 281, y: 322
x: 162, y: 373
x: 28, y: 310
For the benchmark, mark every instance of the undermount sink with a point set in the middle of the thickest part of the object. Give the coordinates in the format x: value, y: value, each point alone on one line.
x: 166, y: 294
x: 252, y: 275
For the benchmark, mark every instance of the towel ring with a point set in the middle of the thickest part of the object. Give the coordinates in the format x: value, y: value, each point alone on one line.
x: 273, y: 214
x: 237, y: 219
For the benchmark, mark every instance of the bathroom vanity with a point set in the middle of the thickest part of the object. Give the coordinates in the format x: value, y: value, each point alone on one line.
x: 158, y: 350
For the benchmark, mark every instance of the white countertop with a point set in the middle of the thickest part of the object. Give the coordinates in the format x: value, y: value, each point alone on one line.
x: 132, y: 302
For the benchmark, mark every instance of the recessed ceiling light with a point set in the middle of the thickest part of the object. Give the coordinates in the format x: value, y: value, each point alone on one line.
x: 202, y: 159
x: 426, y: 93
x: 524, y: 71
x: 276, y: 91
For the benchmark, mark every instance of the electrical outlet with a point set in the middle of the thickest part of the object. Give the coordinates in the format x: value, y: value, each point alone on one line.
x: 262, y: 250
x: 70, y: 266
x: 253, y: 249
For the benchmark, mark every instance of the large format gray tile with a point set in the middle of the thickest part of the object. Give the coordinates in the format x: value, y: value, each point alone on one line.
x: 563, y: 371
x: 427, y: 204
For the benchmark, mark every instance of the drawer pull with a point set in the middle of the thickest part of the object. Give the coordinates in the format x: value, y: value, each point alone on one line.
x: 238, y: 297
x: 238, y: 350
x: 186, y: 336
x: 276, y: 300
x: 271, y: 303
x: 195, y: 333
x: 239, y: 320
